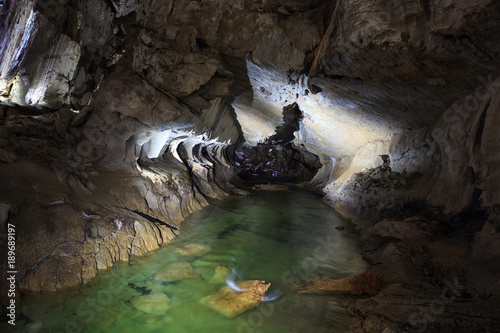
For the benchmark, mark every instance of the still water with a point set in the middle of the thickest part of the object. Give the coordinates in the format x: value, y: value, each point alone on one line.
x: 280, y: 237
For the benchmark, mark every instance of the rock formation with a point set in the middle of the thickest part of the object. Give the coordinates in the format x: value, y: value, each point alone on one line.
x: 364, y: 283
x: 231, y: 303
x: 175, y: 271
x: 154, y: 303
x: 120, y: 118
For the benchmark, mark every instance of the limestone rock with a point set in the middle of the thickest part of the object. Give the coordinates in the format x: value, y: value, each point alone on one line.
x: 397, y: 229
x: 195, y: 250
x: 176, y: 271
x: 220, y: 274
x: 129, y: 112
x: 153, y: 303
x: 364, y: 283
x: 145, y: 239
x: 217, y: 87
x: 78, y: 238
x: 333, y: 286
x: 124, y: 7
x: 180, y: 72
x: 231, y: 303
x: 273, y: 187
x: 399, y: 99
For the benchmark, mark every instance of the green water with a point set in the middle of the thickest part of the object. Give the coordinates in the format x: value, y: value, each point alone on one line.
x: 280, y: 237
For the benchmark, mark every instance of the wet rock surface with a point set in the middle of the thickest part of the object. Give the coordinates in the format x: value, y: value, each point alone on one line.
x: 118, y: 119
x: 365, y: 283
x: 273, y: 187
x: 194, y: 250
x: 176, y: 271
x: 220, y: 275
x: 231, y: 303
x: 154, y: 303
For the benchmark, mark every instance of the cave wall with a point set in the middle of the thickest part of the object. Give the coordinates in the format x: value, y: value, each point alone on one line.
x: 157, y: 91
x: 107, y: 160
x: 450, y: 165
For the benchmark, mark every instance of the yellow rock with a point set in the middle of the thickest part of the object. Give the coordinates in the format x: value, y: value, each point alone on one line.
x: 175, y: 271
x: 364, y: 283
x: 273, y: 187
x: 195, y: 250
x: 231, y: 303
x: 154, y: 303
x: 220, y: 275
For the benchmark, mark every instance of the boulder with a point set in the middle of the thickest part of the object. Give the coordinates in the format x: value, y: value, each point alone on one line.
x: 154, y: 303
x: 330, y: 286
x: 364, y: 283
x: 220, y: 275
x: 399, y: 229
x: 175, y: 271
x: 195, y: 250
x: 231, y: 303
x: 273, y: 187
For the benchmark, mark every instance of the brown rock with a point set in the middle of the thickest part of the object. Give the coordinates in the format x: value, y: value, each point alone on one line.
x: 177, y: 270
x: 154, y: 303
x: 195, y: 250
x: 221, y: 273
x: 331, y: 286
x: 230, y: 303
x: 273, y: 187
x: 367, y: 283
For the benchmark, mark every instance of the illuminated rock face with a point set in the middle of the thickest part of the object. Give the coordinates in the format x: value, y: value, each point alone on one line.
x: 50, y: 52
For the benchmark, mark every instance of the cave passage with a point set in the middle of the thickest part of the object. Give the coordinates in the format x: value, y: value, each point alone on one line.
x: 276, y: 163
x: 283, y: 238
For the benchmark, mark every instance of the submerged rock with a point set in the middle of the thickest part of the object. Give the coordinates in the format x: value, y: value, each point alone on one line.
x: 330, y: 286
x: 196, y: 250
x: 231, y: 303
x: 175, y: 271
x: 273, y: 187
x: 154, y: 303
x: 220, y: 275
x: 365, y: 283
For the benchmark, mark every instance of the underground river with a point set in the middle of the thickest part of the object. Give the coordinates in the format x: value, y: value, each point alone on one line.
x: 282, y: 238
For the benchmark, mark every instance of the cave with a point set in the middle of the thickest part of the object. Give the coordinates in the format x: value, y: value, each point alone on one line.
x: 249, y: 166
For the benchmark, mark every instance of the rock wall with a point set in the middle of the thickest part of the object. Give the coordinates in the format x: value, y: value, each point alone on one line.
x: 52, y: 51
x: 449, y: 165
x: 74, y: 217
x: 427, y: 206
x: 118, y: 119
x: 102, y: 158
